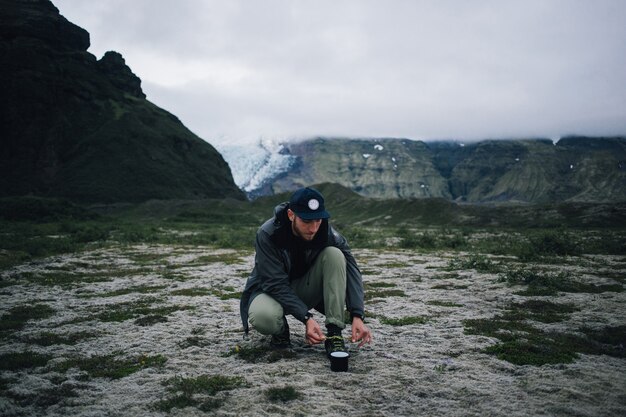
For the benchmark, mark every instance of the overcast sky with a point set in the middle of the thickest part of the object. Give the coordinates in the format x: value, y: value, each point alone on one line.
x: 235, y: 70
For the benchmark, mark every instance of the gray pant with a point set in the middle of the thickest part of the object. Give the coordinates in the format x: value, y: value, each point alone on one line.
x: 324, y: 282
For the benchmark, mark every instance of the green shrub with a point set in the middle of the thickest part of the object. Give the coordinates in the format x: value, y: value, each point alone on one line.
x: 523, y: 344
x: 186, y: 388
x: 17, y: 317
x: 478, y: 262
x: 539, y: 310
x: 284, y: 394
x: 20, y: 360
x: 205, y: 384
x: 109, y: 366
x: 546, y: 283
x: 605, y: 242
x: 50, y: 338
x: 442, y: 239
x: 403, y: 321
x: 549, y: 243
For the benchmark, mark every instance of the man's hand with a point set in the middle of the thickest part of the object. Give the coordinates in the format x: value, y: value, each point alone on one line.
x: 314, y: 334
x: 360, y: 332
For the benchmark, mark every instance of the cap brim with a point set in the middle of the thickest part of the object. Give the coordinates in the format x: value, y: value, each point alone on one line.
x: 313, y: 216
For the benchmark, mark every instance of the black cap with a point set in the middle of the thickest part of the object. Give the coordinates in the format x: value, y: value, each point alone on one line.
x: 308, y: 204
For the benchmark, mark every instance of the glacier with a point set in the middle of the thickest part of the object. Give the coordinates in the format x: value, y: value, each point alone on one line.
x: 252, y: 165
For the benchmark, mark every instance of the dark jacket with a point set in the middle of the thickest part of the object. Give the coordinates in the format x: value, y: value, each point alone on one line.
x: 272, y: 266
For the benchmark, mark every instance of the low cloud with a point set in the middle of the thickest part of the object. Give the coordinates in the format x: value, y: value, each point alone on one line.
x: 423, y: 70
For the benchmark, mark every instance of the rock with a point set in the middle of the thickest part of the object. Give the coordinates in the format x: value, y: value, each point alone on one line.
x: 81, y: 129
x: 114, y: 67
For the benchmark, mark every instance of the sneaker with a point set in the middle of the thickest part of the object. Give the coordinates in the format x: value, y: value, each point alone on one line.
x: 282, y: 340
x: 334, y: 344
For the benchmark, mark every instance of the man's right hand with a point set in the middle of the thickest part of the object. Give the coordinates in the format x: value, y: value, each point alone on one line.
x: 314, y: 334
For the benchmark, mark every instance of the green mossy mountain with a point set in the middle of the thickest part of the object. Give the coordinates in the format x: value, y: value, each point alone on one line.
x: 350, y: 209
x: 575, y: 169
x: 75, y: 127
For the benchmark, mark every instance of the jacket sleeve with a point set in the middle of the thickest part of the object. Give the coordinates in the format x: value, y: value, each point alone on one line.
x: 274, y: 277
x: 355, y: 293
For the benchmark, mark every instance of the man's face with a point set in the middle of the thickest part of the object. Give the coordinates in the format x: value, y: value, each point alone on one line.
x: 305, y: 229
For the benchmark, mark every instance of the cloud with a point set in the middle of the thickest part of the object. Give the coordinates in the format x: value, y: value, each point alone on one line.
x: 417, y: 69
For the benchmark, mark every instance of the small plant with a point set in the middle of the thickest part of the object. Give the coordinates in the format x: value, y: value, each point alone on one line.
x: 50, y: 396
x: 613, y: 338
x: 523, y: 344
x: 545, y: 283
x: 548, y: 244
x: 150, y: 320
x: 185, y: 390
x: 539, y: 310
x: 284, y: 394
x: 17, y: 317
x: 403, y: 321
x: 192, y: 292
x: 379, y: 285
x: 144, y: 289
x: 443, y: 365
x: 228, y: 295
x: 194, y: 341
x: 205, y: 384
x: 21, y: 360
x: 177, y: 401
x: 449, y: 287
x: 65, y: 278
x: 131, y: 310
x: 442, y: 239
x: 109, y: 366
x: 49, y: 338
x: 227, y: 258
x: 250, y: 354
x: 256, y: 354
x: 443, y: 303
x: 522, y: 352
x: 475, y: 261
x: 376, y: 293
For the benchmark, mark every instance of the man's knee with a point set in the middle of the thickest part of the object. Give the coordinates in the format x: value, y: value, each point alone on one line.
x: 266, y: 323
x: 266, y: 315
x: 334, y: 255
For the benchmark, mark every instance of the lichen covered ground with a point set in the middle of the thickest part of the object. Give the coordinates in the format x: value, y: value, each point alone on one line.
x: 155, y: 330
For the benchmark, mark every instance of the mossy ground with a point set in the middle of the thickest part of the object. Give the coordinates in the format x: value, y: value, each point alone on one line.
x: 147, y: 315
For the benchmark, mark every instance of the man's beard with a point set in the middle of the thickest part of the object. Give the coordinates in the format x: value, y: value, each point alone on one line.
x: 299, y: 234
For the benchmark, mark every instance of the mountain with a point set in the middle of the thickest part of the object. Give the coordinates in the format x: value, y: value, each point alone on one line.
x: 75, y: 127
x: 581, y: 169
x: 350, y: 210
x: 537, y: 171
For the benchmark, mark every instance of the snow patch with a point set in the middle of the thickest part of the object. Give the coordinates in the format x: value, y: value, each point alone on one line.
x: 378, y: 147
x: 367, y: 155
x: 253, y: 165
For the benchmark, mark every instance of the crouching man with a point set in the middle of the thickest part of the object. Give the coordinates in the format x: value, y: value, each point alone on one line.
x: 302, y: 263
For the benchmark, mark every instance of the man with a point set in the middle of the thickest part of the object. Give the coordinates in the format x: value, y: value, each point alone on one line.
x: 301, y: 263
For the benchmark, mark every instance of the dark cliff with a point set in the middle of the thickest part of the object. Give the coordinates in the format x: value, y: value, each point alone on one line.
x: 76, y: 127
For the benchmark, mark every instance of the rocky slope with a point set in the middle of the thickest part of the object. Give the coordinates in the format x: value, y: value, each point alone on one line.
x: 578, y: 169
x: 80, y: 128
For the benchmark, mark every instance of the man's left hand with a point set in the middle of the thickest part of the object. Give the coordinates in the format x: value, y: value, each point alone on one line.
x: 360, y: 332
